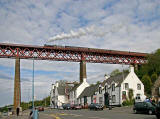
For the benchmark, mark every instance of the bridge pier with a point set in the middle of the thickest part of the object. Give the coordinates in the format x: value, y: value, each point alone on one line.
x: 17, y: 85
x: 83, y: 74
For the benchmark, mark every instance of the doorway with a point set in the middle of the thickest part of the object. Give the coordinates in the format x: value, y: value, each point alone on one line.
x: 106, y: 99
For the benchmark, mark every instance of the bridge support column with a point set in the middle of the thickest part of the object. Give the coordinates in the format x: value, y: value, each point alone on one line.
x: 17, y: 87
x: 83, y: 75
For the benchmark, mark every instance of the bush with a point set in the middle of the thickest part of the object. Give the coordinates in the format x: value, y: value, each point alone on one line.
x: 128, y: 102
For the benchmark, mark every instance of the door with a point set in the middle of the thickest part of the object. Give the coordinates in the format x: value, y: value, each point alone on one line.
x: 85, y: 100
x: 106, y: 99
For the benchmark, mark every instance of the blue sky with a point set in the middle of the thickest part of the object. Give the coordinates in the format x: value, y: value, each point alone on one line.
x: 33, y: 22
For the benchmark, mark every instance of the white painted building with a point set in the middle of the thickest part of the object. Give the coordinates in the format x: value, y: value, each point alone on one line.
x: 88, y: 94
x: 58, y: 95
x: 114, y: 90
x: 76, y: 91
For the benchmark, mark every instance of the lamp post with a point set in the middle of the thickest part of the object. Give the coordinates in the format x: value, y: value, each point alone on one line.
x: 35, y: 112
x: 33, y: 88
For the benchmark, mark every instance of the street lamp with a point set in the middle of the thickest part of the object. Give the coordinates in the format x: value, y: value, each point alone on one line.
x: 33, y: 88
x: 35, y: 112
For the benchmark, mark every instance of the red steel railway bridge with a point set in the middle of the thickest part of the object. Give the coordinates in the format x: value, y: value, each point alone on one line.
x: 65, y: 53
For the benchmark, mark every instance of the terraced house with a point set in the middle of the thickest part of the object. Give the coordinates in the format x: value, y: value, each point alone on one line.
x: 76, y: 91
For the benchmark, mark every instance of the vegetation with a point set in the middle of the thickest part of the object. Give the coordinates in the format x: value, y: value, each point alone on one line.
x: 45, y: 102
x: 130, y: 99
x: 147, y: 83
x: 128, y: 102
x: 26, y: 105
x: 130, y: 94
x: 5, y: 108
x: 149, y: 72
x: 117, y: 72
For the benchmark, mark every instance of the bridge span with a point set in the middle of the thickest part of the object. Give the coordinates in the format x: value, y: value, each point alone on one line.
x: 65, y: 53
x: 70, y: 53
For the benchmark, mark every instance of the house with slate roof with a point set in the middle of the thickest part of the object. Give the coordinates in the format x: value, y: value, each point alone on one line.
x: 114, y: 90
x: 76, y: 91
x: 88, y: 95
x: 59, y: 95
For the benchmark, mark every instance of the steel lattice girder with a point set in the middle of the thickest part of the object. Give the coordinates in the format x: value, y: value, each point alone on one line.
x: 73, y: 54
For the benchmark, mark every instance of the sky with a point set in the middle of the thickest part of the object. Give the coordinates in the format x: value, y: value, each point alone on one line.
x: 34, y: 22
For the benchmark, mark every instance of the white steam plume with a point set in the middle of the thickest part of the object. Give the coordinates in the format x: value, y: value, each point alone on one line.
x: 95, y: 31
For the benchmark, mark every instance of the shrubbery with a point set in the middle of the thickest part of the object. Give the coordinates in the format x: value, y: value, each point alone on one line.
x: 128, y: 102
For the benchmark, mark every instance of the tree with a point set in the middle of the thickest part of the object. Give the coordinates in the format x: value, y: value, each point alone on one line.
x: 154, y: 77
x: 152, y: 66
x: 61, y: 82
x: 154, y: 63
x: 98, y: 82
x: 115, y: 72
x: 130, y: 94
x: 146, y: 80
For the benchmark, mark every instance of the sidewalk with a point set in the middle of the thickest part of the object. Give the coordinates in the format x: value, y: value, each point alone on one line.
x: 25, y: 115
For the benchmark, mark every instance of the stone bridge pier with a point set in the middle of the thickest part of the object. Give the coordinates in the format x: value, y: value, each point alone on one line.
x: 17, y: 86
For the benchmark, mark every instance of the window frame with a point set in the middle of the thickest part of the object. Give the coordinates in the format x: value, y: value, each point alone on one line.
x: 139, y: 87
x: 126, y: 86
x: 113, y: 98
x: 113, y: 87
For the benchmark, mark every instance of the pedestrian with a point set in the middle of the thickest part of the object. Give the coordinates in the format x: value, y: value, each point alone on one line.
x: 31, y: 114
x: 17, y: 111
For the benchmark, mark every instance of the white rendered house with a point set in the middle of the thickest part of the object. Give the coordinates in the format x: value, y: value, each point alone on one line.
x: 58, y: 95
x: 88, y: 95
x: 114, y: 90
x: 76, y: 91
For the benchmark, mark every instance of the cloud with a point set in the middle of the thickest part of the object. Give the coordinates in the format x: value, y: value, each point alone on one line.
x: 32, y: 22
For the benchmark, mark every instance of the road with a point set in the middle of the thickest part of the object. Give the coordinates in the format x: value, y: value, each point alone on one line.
x: 115, y: 113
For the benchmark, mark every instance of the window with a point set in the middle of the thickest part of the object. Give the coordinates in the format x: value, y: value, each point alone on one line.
x: 113, y: 98
x: 92, y: 99
x: 126, y: 86
x: 113, y: 87
x: 138, y: 86
x: 100, y: 100
x: 100, y: 90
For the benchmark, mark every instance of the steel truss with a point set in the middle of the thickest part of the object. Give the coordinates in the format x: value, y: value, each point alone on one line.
x: 69, y: 53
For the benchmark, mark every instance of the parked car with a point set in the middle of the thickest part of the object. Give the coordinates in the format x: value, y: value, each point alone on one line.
x: 95, y: 106
x: 66, y: 106
x: 158, y: 111
x: 144, y: 107
x: 76, y: 107
x: 40, y: 108
x: 5, y: 113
